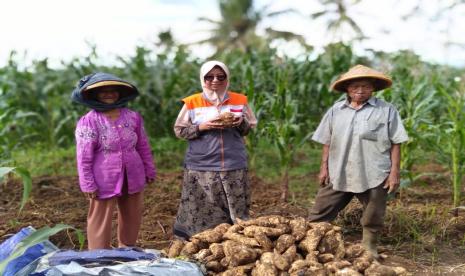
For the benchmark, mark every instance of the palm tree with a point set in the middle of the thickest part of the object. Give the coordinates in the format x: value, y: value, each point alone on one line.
x: 338, y: 18
x: 237, y: 27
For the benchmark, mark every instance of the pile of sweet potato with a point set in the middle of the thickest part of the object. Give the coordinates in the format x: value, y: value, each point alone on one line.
x: 275, y: 245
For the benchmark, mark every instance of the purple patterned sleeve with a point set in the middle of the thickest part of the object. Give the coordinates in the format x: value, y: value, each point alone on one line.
x: 144, y: 150
x: 86, y: 141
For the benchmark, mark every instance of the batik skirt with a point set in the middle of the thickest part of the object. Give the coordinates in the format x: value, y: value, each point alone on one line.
x: 211, y: 198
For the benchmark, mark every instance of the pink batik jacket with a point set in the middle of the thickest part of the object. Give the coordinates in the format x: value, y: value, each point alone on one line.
x: 106, y: 148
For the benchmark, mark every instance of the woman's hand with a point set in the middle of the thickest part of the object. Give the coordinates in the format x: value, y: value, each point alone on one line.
x: 150, y: 180
x: 210, y: 125
x: 238, y: 121
x: 91, y: 195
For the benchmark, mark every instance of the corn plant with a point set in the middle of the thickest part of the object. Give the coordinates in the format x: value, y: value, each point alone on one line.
x: 284, y: 127
x: 414, y: 96
x: 450, y: 138
x: 26, y: 178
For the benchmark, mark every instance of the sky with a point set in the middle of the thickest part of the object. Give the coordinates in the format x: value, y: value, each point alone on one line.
x: 64, y: 29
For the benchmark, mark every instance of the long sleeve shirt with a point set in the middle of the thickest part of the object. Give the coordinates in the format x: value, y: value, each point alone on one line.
x: 105, y: 149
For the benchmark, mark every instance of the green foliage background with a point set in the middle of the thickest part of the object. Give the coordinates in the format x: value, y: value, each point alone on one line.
x: 289, y: 96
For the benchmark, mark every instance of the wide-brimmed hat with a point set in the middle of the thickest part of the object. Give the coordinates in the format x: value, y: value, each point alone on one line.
x: 84, y: 94
x: 380, y: 80
x: 108, y: 83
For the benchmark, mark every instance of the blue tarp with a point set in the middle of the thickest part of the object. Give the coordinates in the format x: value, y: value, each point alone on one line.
x: 100, y: 256
x: 46, y: 259
x: 157, y: 266
x: 31, y: 254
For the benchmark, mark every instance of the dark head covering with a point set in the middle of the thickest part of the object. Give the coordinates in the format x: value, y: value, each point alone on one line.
x: 88, y: 86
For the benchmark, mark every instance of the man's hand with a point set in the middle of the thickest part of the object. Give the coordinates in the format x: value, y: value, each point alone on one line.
x: 392, y: 182
x: 323, y: 176
x: 91, y: 195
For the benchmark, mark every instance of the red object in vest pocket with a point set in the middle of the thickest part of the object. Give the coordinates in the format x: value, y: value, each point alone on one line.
x: 235, y: 110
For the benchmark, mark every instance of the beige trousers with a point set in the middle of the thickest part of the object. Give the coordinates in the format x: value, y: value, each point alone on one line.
x: 100, y: 217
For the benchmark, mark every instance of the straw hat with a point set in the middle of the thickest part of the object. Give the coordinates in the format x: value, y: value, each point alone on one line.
x: 380, y: 80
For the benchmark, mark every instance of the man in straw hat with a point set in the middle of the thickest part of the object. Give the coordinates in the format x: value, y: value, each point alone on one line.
x: 361, y: 137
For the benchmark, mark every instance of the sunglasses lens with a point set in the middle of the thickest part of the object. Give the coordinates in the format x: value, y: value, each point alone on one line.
x: 211, y: 78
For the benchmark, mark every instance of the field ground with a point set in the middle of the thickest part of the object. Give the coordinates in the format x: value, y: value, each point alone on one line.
x: 420, y: 234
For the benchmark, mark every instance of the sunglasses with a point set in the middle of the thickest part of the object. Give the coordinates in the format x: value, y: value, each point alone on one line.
x: 218, y: 77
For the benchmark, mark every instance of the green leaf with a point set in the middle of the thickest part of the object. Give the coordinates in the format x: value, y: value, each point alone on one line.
x: 4, y: 171
x: 27, y: 185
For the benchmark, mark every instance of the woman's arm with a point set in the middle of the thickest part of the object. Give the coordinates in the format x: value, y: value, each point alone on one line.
x: 183, y: 127
x: 86, y: 142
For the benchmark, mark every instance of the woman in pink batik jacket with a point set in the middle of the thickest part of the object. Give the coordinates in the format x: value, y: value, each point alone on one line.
x: 114, y: 159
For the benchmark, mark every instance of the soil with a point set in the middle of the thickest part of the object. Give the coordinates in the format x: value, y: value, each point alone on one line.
x: 57, y: 199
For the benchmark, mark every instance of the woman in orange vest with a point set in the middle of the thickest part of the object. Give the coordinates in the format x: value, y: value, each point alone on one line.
x: 215, y: 186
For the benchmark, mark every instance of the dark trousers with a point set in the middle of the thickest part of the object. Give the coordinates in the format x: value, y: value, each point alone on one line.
x: 329, y: 203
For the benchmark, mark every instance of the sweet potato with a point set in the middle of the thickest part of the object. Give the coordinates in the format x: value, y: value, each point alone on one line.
x: 363, y: 262
x: 284, y: 242
x: 217, y: 252
x: 241, y: 239
x: 189, y: 249
x: 226, y: 119
x: 202, y: 254
x: 264, y: 242
x: 266, y: 221
x: 267, y: 258
x: 354, y: 251
x: 291, y: 253
x: 299, y: 228
x: 325, y: 258
x: 332, y: 243
x: 298, y: 265
x: 335, y: 266
x: 214, y: 266
x: 324, y: 226
x: 380, y: 270
x: 311, y: 240
x: 312, y: 256
x: 175, y: 248
x: 238, y: 270
x: 280, y: 262
x: 251, y: 231
x: 238, y: 254
x: 316, y: 271
x: 222, y: 228
x: 347, y: 271
x: 209, y: 236
x: 262, y: 269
